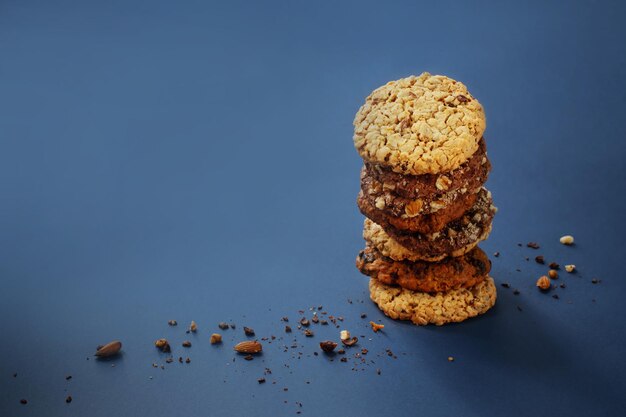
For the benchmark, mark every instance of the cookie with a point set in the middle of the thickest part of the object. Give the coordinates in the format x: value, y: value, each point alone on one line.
x: 451, y: 273
x: 384, y: 198
x: 457, y: 238
x: 419, y: 125
x: 459, y: 233
x: 410, y: 221
x: 439, y: 308
x: 470, y: 175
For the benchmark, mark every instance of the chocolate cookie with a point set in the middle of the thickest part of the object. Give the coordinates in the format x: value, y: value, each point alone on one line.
x: 419, y: 125
x: 451, y: 273
x: 455, y: 239
x: 470, y: 175
x: 440, y: 308
x: 409, y: 221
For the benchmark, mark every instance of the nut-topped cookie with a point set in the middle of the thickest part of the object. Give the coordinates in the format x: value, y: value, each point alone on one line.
x: 419, y: 125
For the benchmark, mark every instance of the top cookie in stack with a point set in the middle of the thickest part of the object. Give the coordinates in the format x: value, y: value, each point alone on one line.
x: 425, y: 162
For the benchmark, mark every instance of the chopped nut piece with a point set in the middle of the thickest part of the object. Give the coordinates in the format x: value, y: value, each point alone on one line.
x: 186, y: 343
x: 223, y: 326
x: 570, y: 268
x: 287, y: 329
x: 543, y: 283
x: 380, y: 203
x: 344, y: 335
x: 308, y: 333
x: 216, y: 338
x: 350, y: 342
x: 554, y: 265
x: 376, y: 327
x: 443, y: 183
x: 328, y: 346
x: 248, y: 331
x: 539, y: 259
x: 413, y: 208
x: 163, y: 345
x: 553, y: 274
x: 193, y: 327
x: 567, y: 240
x: 304, y: 322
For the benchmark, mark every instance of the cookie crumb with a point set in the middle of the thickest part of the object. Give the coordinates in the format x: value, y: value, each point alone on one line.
x: 543, y: 283
x: 553, y: 274
x: 567, y: 240
x: 376, y: 327
x: 533, y: 245
x: 450, y: 359
x: 570, y: 268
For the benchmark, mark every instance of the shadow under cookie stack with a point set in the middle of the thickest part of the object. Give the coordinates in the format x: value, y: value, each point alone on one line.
x: 425, y: 163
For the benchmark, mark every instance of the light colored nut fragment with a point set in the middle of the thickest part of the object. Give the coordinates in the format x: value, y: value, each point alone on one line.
x: 380, y: 203
x: 570, y: 268
x: 553, y: 274
x: 193, y: 327
x: 437, y: 205
x: 567, y: 240
x: 413, y: 208
x: 443, y: 183
x: 376, y: 326
x: 543, y: 283
x: 389, y: 186
x: 344, y: 335
x: 216, y: 338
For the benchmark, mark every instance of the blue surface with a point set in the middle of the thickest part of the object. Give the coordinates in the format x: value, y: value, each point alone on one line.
x: 194, y: 160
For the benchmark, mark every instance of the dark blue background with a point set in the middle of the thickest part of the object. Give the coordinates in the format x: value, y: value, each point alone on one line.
x: 194, y: 160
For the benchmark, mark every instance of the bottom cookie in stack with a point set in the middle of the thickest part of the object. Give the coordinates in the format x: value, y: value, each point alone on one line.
x: 439, y: 308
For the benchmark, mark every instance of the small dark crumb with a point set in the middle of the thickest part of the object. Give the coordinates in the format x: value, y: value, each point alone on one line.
x: 363, y: 315
x: 287, y: 329
x: 527, y: 259
x: 180, y: 359
x: 324, y: 322
x: 519, y: 308
x: 285, y: 389
x: 378, y: 371
x: 341, y: 351
x: 172, y: 322
x: 248, y: 357
x: 553, y: 265
x: 519, y: 244
x: 505, y: 285
x: 533, y: 245
x: 186, y: 343
x: 304, y: 321
x: 232, y: 326
x: 261, y: 380
x: 364, y: 351
x: 315, y: 354
x: 223, y: 326
x: 315, y: 319
x: 516, y: 292
x: 67, y: 378
x: 562, y: 285
x: 518, y: 270
x: 320, y: 307
x: 540, y: 260
x: 68, y: 399
x: 555, y: 296
x: 187, y: 360
x: 248, y: 331
x: 496, y: 254
x: 15, y: 375
x: 285, y: 318
x: 344, y: 359
x: 308, y: 333
x: 595, y: 280
x: 24, y: 401
x: 169, y: 360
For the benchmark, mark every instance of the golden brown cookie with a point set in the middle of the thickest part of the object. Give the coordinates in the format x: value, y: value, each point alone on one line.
x: 451, y: 273
x: 469, y: 176
x: 457, y: 238
x: 419, y: 125
x: 439, y: 308
x: 410, y: 220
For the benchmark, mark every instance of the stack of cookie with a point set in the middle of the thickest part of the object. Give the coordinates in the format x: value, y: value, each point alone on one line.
x: 425, y: 163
